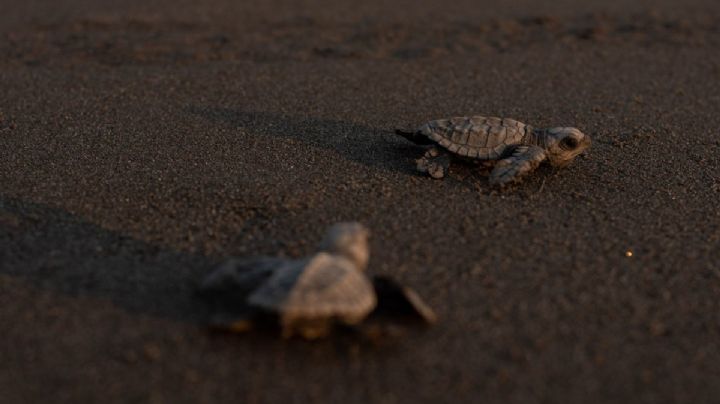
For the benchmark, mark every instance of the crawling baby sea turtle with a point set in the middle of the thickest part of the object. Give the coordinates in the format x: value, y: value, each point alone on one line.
x: 307, y: 296
x: 511, y: 147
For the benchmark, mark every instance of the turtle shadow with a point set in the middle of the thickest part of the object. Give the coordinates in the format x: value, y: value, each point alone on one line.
x: 52, y: 249
x: 377, y: 148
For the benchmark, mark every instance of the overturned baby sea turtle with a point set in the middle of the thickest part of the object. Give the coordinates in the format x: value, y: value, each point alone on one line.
x: 309, y: 296
x: 512, y: 148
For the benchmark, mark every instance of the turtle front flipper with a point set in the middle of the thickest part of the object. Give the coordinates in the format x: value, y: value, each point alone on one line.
x: 523, y: 160
x: 435, y: 162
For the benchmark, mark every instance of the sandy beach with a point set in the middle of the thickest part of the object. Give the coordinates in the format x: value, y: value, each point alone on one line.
x: 143, y: 142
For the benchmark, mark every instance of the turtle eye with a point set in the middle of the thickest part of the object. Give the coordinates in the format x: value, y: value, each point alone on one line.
x: 569, y: 143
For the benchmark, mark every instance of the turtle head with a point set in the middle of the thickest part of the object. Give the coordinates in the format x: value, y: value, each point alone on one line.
x: 564, y: 144
x: 350, y: 240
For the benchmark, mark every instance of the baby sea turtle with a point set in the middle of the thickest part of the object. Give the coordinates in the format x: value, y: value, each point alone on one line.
x: 308, y: 296
x: 513, y: 148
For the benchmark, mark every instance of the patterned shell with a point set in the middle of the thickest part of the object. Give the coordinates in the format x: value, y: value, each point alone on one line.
x: 326, y: 286
x: 480, y: 137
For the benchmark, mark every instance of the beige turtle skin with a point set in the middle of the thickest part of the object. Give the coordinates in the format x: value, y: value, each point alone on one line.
x: 513, y: 148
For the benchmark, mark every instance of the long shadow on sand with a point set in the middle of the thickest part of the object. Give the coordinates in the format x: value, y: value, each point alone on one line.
x: 373, y: 147
x: 58, y: 251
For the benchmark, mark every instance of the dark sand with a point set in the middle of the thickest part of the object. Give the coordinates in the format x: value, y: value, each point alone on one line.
x: 143, y: 141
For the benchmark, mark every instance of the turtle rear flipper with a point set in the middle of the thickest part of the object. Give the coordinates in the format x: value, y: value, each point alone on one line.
x: 395, y: 299
x: 434, y: 162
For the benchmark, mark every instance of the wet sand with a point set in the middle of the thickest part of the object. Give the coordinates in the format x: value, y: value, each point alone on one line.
x: 142, y: 143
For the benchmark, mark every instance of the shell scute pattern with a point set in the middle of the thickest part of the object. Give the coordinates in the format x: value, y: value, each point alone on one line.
x: 496, y: 137
x: 460, y: 136
x: 326, y: 286
x: 476, y: 136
